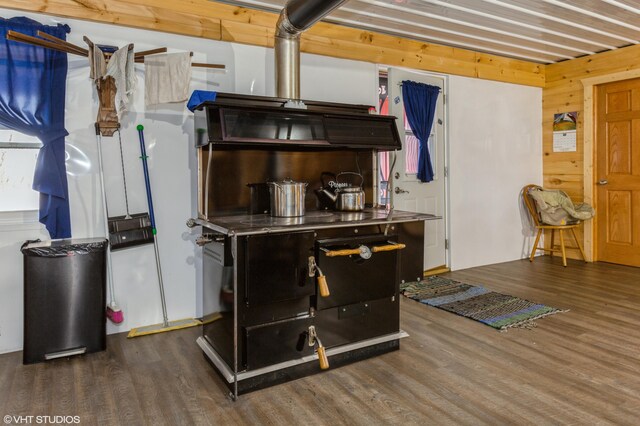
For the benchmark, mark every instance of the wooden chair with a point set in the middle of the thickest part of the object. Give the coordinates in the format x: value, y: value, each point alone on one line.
x: 540, y: 226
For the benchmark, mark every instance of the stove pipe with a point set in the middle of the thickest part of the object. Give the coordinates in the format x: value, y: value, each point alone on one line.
x: 296, y: 17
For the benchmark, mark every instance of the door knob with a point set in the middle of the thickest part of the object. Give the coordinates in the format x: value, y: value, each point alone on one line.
x: 603, y: 182
x: 399, y: 190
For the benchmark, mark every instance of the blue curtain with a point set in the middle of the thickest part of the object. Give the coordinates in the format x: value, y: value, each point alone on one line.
x: 420, y: 107
x: 32, y: 98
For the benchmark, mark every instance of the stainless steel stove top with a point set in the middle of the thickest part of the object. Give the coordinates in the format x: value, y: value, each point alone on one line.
x: 245, y: 224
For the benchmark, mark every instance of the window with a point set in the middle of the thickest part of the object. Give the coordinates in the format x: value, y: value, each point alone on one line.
x: 18, y: 154
x: 411, y: 145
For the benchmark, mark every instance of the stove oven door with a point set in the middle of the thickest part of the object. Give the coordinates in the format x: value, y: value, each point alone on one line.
x: 358, y: 269
x: 276, y: 267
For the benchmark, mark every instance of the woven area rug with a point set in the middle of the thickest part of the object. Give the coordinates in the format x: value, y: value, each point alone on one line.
x: 496, y: 310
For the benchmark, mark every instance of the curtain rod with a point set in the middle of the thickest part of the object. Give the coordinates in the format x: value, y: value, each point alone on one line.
x: 439, y: 89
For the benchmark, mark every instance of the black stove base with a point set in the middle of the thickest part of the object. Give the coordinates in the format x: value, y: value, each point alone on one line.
x: 308, y: 368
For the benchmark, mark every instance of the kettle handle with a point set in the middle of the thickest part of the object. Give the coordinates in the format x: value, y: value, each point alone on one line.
x: 322, y: 176
x: 351, y: 173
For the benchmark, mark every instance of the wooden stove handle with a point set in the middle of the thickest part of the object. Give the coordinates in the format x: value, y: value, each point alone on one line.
x: 345, y: 252
x: 389, y: 247
x: 323, y: 287
x: 322, y: 357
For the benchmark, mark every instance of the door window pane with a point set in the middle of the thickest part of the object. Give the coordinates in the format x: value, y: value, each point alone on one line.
x: 411, y: 154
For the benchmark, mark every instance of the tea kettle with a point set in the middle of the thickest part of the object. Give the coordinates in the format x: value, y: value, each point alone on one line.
x: 326, y: 194
x: 342, y: 196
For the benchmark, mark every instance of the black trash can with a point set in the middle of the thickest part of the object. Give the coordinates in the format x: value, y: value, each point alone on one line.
x: 64, y: 298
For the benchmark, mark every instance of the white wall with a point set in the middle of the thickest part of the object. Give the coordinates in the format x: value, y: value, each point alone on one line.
x: 169, y: 137
x: 15, y: 229
x: 495, y: 146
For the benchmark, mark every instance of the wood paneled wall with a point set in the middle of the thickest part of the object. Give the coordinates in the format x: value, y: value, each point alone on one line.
x: 563, y: 92
x: 217, y: 21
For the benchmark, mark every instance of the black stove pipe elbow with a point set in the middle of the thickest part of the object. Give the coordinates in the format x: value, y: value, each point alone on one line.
x: 303, y: 14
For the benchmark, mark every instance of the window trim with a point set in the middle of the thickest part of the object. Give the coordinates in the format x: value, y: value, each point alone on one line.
x: 20, y: 145
x: 20, y: 220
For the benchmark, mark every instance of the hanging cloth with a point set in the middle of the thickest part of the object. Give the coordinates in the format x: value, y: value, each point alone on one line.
x: 420, y: 107
x: 167, y: 78
x: 32, y: 99
x: 198, y: 97
x: 97, y: 63
x: 121, y: 68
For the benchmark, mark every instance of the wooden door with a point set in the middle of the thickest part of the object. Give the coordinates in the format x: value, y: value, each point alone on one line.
x: 617, y: 172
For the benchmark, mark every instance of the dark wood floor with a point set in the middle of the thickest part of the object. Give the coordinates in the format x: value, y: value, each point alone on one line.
x: 580, y: 367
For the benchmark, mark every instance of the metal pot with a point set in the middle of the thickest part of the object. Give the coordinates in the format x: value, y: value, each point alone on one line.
x: 287, y: 198
x: 349, y: 198
x: 259, y: 203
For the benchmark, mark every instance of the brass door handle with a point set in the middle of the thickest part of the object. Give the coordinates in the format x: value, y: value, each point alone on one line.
x: 603, y: 182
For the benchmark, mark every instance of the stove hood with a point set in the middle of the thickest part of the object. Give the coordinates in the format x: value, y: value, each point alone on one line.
x: 252, y: 121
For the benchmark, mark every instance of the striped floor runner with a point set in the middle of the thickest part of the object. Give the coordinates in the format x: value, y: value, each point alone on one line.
x: 496, y: 310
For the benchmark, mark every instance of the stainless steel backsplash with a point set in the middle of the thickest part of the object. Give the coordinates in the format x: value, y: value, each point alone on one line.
x: 233, y: 170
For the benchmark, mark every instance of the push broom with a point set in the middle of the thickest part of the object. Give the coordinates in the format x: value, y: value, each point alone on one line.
x: 166, y: 325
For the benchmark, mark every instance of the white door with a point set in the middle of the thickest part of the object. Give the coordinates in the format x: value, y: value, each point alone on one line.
x: 408, y: 193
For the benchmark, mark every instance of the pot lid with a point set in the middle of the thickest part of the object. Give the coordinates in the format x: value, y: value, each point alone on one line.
x: 350, y: 189
x: 286, y: 182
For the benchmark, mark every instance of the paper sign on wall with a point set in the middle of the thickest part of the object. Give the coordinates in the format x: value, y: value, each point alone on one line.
x: 564, y: 132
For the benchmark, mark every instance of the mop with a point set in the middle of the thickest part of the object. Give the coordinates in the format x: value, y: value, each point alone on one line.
x: 166, y: 325
x: 114, y: 313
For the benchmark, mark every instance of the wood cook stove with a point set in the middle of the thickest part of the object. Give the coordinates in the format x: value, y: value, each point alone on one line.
x: 288, y: 297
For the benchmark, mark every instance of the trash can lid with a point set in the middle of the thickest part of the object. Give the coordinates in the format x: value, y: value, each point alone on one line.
x: 64, y: 247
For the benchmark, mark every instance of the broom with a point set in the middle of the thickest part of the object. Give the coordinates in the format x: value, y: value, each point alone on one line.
x: 166, y: 325
x: 113, y: 312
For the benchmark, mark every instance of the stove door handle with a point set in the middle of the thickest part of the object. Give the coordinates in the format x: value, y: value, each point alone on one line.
x: 389, y: 247
x: 345, y: 252
x: 323, y: 287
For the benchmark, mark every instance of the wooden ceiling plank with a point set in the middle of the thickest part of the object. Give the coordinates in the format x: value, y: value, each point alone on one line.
x: 474, y: 26
x: 455, y: 38
x: 600, y: 14
x: 625, y: 6
x: 116, y: 12
x: 511, y: 27
x: 245, y: 33
x: 538, y: 10
x: 488, y: 12
x: 613, y: 61
x: 211, y: 9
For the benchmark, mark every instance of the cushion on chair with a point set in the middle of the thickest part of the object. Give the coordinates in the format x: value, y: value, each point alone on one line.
x: 556, y: 208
